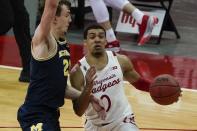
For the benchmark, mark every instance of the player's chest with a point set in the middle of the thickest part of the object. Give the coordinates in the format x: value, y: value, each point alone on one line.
x: 107, y: 80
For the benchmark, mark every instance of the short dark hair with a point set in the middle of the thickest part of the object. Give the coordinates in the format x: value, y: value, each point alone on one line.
x: 92, y: 26
x: 59, y: 7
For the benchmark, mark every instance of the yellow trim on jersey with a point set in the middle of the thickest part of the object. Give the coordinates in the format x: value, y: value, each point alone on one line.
x: 62, y: 42
x: 52, y: 53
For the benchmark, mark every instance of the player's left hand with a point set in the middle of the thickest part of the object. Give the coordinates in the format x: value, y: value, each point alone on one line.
x: 98, y: 107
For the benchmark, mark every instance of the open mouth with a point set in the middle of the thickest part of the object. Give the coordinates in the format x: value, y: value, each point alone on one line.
x: 97, y: 46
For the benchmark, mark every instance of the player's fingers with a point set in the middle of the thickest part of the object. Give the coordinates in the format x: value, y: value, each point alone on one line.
x: 92, y: 70
x: 91, y: 73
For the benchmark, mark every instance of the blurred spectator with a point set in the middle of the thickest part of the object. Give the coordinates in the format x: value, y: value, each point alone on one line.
x: 14, y: 14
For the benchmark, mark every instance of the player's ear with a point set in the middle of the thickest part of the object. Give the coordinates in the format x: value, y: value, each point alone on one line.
x: 85, y: 46
x: 85, y: 42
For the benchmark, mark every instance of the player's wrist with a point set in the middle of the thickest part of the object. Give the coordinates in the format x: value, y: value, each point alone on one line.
x: 142, y: 84
x: 87, y: 89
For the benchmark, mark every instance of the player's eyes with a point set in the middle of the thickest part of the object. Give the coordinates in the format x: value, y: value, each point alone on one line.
x: 101, y: 36
x: 67, y: 15
x: 91, y: 35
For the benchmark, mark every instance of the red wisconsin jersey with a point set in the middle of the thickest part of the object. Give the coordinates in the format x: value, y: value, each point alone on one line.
x: 108, y: 87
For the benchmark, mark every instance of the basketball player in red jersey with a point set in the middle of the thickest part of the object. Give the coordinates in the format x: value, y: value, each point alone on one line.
x: 111, y: 69
x: 146, y: 23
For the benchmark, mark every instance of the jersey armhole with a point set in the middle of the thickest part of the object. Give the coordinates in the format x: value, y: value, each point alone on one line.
x: 52, y: 53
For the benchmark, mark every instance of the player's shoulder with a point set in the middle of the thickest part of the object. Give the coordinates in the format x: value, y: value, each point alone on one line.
x: 122, y: 58
x: 124, y: 61
x: 118, y: 55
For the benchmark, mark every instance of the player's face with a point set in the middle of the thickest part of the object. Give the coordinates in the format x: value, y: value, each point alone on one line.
x: 95, y: 42
x: 63, y: 21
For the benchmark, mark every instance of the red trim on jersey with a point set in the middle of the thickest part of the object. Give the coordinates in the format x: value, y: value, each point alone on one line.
x: 114, y: 53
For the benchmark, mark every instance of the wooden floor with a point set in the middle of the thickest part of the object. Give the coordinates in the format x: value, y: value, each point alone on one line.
x: 149, y: 115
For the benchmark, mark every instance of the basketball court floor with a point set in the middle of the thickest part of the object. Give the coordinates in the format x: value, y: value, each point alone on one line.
x: 180, y: 116
x: 177, y: 57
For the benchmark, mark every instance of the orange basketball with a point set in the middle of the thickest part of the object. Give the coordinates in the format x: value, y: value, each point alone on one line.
x: 165, y: 89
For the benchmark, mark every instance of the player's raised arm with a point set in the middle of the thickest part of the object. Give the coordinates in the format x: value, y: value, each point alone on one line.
x: 43, y: 30
x: 131, y: 75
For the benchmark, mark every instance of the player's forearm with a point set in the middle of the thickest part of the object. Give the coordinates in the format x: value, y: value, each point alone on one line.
x: 142, y: 84
x: 72, y: 93
x: 139, y: 82
x: 82, y: 102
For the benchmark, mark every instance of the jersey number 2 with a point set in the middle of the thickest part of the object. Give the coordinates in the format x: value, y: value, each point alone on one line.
x: 66, y: 66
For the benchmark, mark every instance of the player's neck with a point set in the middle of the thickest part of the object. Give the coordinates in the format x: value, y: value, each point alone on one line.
x: 99, y: 62
x: 59, y: 35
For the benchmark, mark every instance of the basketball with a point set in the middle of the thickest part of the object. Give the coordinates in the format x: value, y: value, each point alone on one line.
x: 165, y: 89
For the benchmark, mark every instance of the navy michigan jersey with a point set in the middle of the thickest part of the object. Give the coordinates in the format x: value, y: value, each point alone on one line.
x: 49, y: 78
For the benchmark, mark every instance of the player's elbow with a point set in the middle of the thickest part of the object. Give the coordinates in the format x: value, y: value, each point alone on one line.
x: 77, y: 109
x: 78, y: 113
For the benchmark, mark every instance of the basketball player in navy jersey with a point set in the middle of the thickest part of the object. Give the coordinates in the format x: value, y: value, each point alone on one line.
x: 146, y: 23
x: 49, y: 72
x: 111, y: 69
